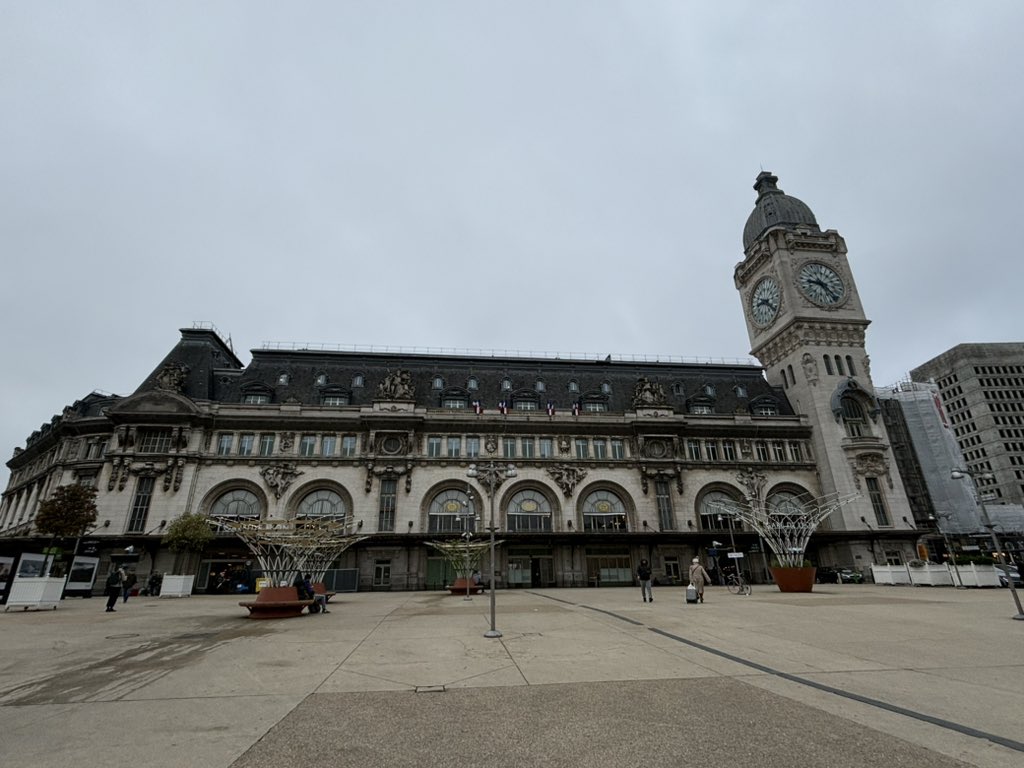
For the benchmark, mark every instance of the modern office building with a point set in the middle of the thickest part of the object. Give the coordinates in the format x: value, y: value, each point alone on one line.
x: 616, y: 458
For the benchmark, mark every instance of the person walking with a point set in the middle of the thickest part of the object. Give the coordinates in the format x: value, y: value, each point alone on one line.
x: 127, y: 584
x: 114, y: 583
x: 699, y: 578
x: 643, y: 573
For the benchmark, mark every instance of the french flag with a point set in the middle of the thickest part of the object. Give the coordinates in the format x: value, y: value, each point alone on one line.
x: 477, y: 408
x: 576, y: 409
x: 551, y: 408
x: 503, y: 407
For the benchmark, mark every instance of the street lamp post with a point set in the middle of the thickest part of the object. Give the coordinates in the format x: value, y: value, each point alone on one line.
x: 949, y: 548
x: 491, y: 476
x: 960, y: 474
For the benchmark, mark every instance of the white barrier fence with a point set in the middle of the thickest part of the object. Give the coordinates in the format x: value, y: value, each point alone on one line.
x: 937, y: 575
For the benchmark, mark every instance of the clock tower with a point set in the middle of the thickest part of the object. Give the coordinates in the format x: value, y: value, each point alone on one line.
x: 807, y: 327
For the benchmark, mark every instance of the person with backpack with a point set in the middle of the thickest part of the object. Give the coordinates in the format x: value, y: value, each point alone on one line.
x: 643, y: 573
x: 115, y: 581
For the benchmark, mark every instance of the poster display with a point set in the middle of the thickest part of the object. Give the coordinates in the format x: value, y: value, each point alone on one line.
x: 6, y: 563
x: 32, y: 566
x: 83, y: 574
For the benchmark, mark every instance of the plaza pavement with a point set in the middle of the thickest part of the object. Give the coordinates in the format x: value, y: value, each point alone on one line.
x: 845, y: 676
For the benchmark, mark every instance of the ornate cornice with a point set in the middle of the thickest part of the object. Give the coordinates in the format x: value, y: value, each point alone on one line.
x: 803, y: 333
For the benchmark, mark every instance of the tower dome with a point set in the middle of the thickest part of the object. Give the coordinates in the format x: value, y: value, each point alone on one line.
x: 774, y: 208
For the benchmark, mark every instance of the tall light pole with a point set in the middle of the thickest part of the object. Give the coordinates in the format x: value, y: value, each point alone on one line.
x: 491, y: 477
x: 949, y: 548
x: 960, y: 474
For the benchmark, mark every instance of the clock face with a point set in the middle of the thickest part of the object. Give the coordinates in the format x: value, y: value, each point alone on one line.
x: 765, y: 301
x: 821, y: 284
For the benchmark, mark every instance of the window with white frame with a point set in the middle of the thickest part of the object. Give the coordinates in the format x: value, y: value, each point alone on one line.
x: 388, y: 504
x: 451, y: 511
x: 328, y: 445
x: 582, y: 448
x: 693, y: 449
x: 527, y: 446
x: 434, y: 446
x: 266, y: 445
x: 762, y: 451
x: 307, y: 445
x: 711, y: 450
x: 547, y: 449
x: 604, y: 512
x: 454, y: 447
x: 473, y: 446
x: 225, y: 442
x: 256, y: 398
x: 529, y: 510
x: 323, y: 504
x: 509, y: 447
x: 348, y: 445
x: 246, y: 443
x: 729, y: 450
x: 618, y: 449
x: 600, y: 448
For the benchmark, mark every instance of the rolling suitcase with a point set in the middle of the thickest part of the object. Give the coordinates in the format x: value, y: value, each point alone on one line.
x: 691, y: 594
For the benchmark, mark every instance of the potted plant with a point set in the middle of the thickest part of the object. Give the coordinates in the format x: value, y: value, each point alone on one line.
x: 187, y: 536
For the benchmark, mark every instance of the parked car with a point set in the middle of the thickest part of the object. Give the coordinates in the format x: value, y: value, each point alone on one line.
x: 826, y: 575
x: 850, y: 576
x: 1014, y: 573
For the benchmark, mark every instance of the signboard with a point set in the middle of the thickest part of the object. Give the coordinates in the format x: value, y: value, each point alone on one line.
x: 735, y: 555
x: 83, y: 574
x: 5, y: 571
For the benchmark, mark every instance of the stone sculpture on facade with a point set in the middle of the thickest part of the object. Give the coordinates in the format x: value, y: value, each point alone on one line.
x: 172, y: 377
x: 567, y: 477
x: 279, y: 476
x: 647, y: 393
x: 397, y: 386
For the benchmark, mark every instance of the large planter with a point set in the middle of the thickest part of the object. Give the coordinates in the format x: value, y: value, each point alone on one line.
x: 35, y: 592
x: 177, y: 586
x: 794, y: 579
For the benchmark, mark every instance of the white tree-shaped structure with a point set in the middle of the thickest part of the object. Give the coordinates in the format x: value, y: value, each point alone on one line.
x: 285, y: 547
x: 787, y: 525
x: 460, y: 555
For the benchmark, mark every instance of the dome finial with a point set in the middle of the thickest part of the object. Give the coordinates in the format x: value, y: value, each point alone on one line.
x: 766, y: 182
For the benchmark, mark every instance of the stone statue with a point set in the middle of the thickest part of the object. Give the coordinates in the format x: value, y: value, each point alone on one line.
x: 567, y: 476
x: 810, y: 366
x: 278, y: 477
x: 172, y: 377
x: 647, y: 393
x: 396, y: 386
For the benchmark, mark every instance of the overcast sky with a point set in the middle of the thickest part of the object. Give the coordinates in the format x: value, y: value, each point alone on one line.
x: 548, y: 176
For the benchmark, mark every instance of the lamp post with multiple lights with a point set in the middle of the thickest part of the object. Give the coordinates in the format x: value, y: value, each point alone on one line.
x: 491, y: 476
x: 960, y: 474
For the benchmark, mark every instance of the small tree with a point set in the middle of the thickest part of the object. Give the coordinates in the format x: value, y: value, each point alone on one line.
x: 189, y: 534
x: 70, y: 512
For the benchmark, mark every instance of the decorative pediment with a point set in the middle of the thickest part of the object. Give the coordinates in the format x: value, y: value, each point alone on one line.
x: 870, y: 464
x: 157, y: 402
x: 647, y: 393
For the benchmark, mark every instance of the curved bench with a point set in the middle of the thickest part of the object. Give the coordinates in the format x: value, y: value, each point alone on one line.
x: 459, y: 588
x: 276, y: 603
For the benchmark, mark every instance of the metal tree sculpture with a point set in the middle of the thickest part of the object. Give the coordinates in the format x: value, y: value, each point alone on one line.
x: 786, y: 526
x: 284, y: 547
x: 461, y: 555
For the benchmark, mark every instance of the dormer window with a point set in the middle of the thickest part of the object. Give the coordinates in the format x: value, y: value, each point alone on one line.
x: 740, y: 391
x: 709, y: 390
x: 574, y: 386
x: 606, y: 388
x: 539, y: 386
x: 472, y: 383
x: 357, y: 380
x: 677, y: 389
x: 506, y: 384
x: 765, y: 410
x: 282, y: 378
x: 438, y: 382
x: 321, y: 379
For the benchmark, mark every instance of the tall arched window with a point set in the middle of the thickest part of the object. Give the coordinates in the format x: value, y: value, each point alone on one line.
x: 849, y: 366
x: 828, y: 364
x: 529, y: 510
x: 236, y: 503
x: 710, y: 510
x: 604, y: 512
x: 452, y: 511
x: 323, y: 504
x: 853, y: 417
x: 839, y: 365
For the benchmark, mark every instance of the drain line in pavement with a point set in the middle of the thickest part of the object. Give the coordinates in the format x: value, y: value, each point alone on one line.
x: 949, y: 725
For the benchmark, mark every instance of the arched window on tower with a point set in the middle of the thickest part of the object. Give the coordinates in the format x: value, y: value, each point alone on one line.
x: 849, y: 366
x: 853, y: 417
x: 839, y: 365
x: 828, y: 364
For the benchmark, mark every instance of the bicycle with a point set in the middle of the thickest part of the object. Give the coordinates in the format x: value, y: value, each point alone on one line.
x: 735, y: 584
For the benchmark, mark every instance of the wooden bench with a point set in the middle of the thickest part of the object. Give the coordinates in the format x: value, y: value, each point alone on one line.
x: 276, y: 603
x: 460, y: 585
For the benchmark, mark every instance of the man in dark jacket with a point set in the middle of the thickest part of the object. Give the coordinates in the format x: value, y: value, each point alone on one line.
x: 643, y: 573
x: 115, y: 581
